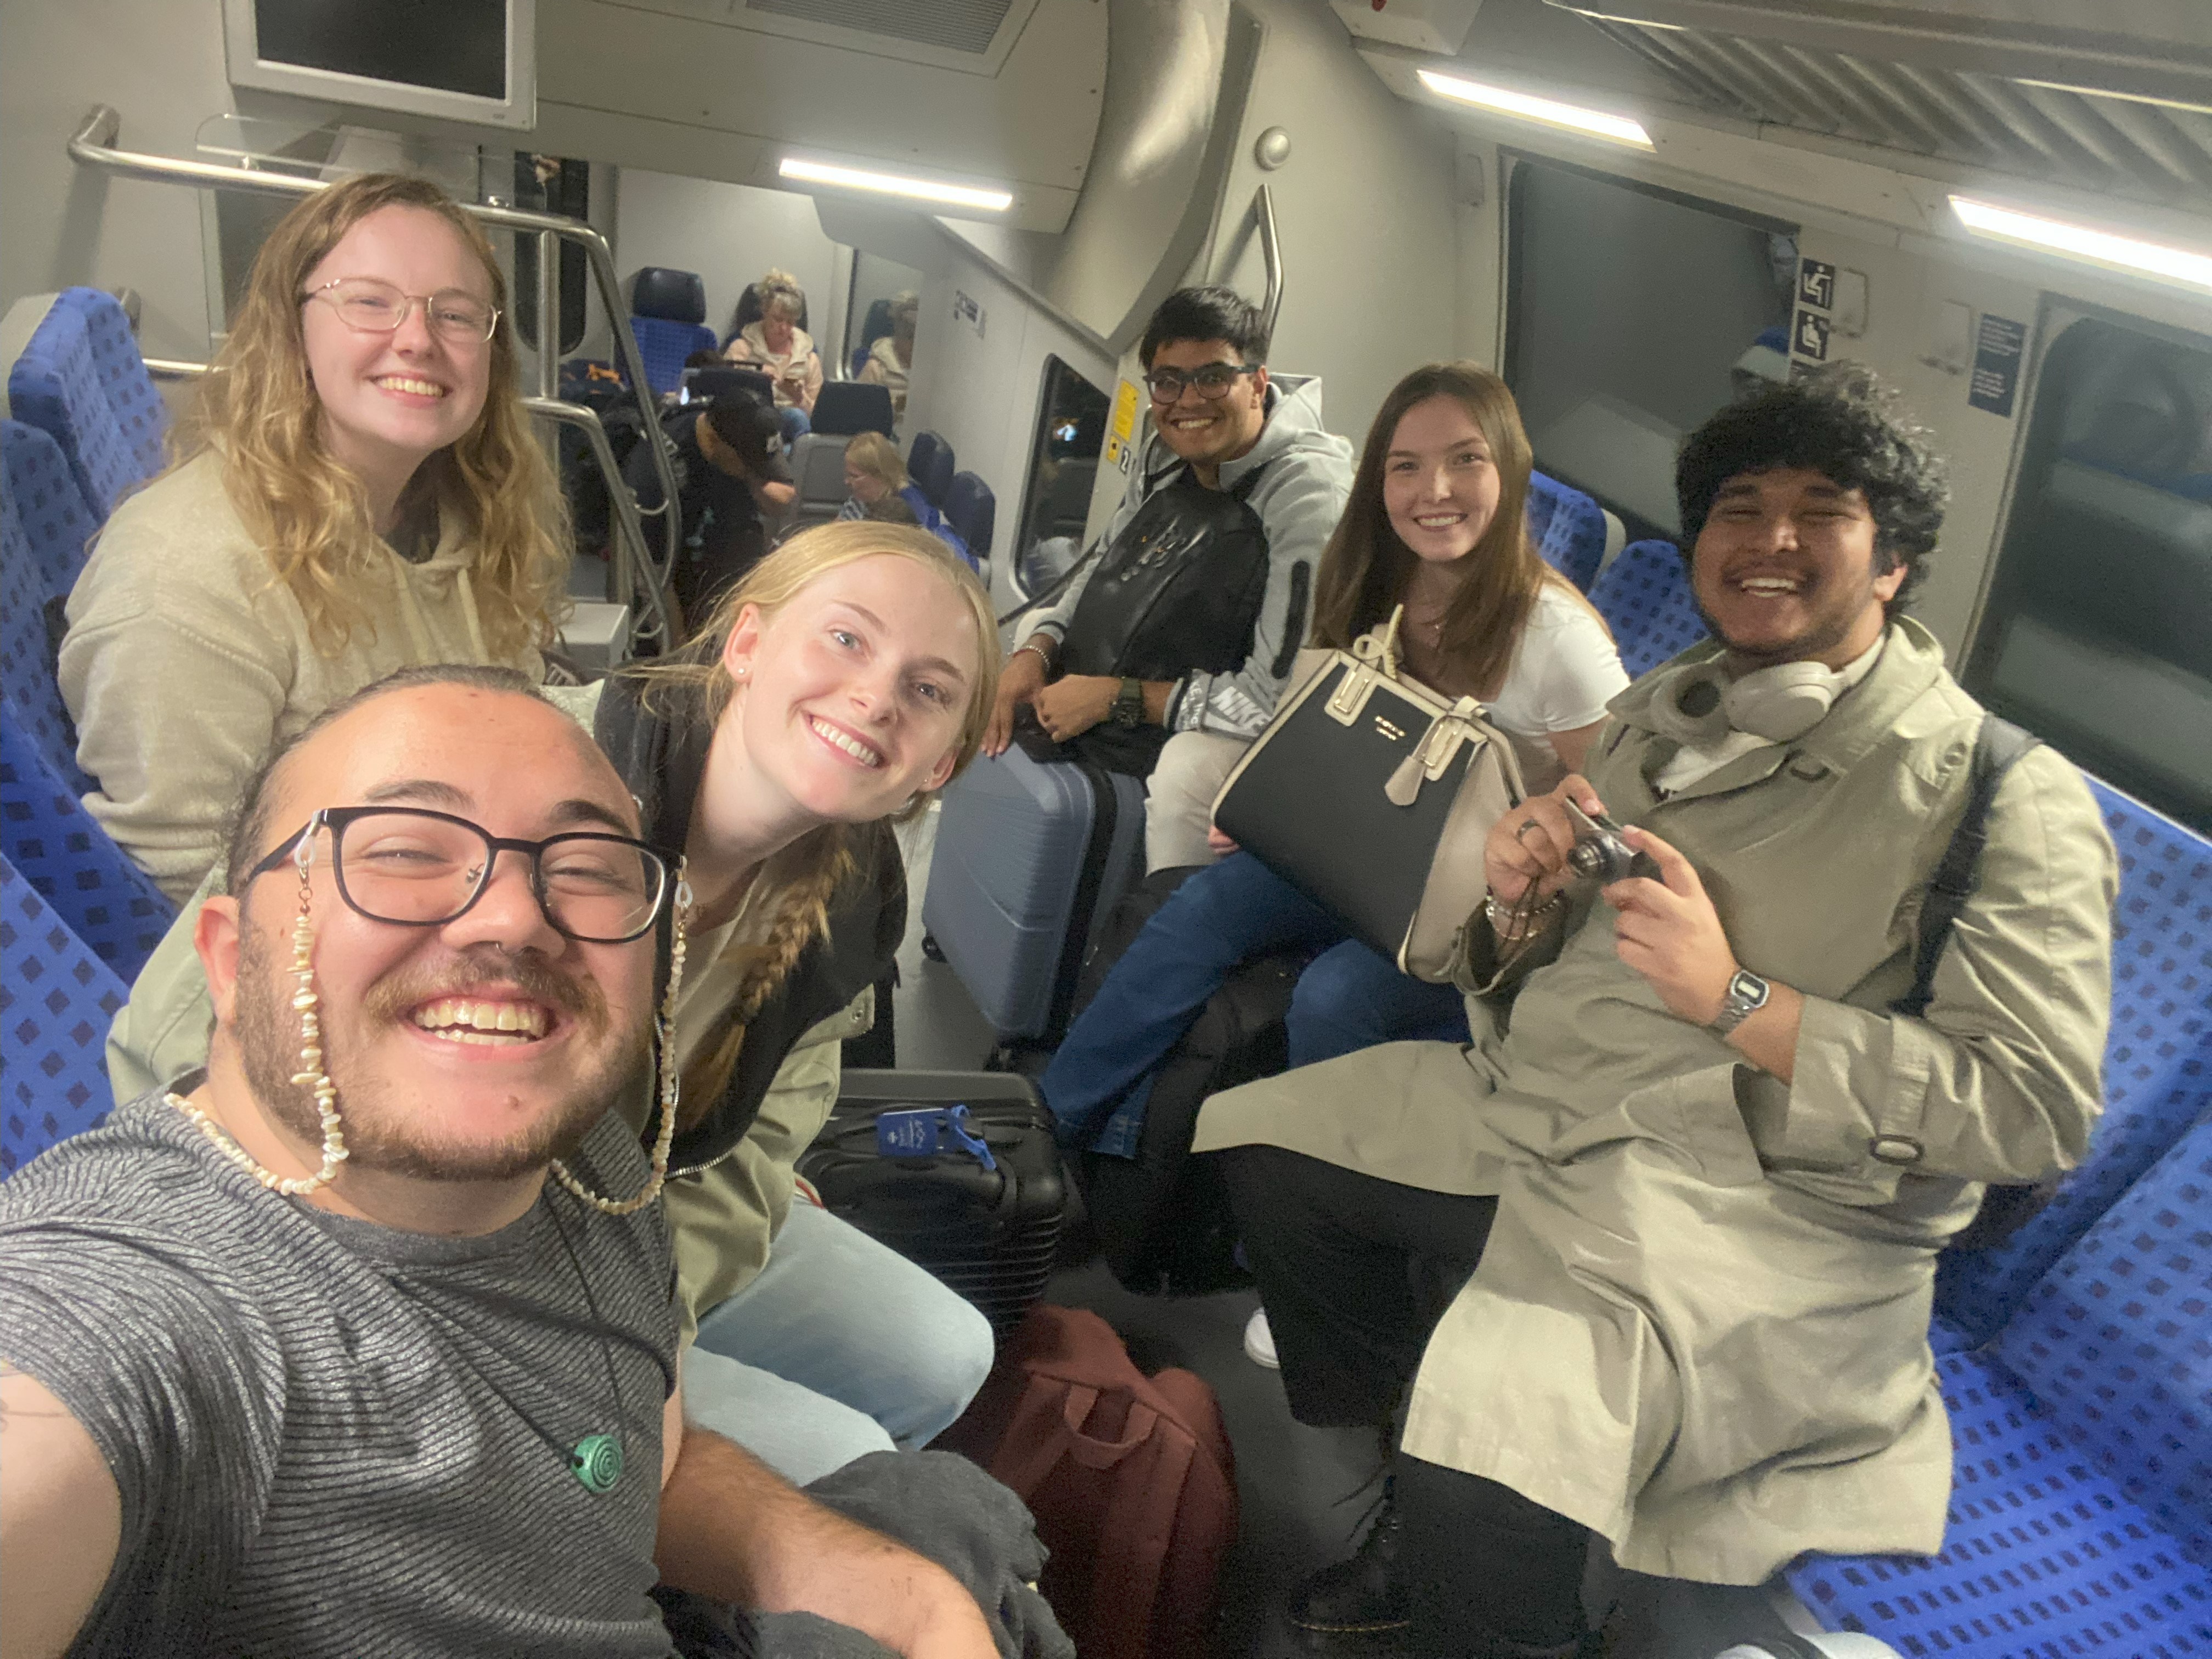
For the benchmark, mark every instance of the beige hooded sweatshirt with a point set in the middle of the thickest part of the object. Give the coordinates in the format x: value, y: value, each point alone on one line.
x: 185, y: 662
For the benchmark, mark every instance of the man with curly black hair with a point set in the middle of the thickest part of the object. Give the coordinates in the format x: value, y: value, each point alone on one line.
x: 1684, y: 1209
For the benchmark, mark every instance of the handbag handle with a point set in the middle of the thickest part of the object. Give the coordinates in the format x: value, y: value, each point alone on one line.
x: 1380, y: 646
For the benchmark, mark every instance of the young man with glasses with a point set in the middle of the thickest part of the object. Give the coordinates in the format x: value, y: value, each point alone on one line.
x: 1219, y: 420
x: 361, y: 1341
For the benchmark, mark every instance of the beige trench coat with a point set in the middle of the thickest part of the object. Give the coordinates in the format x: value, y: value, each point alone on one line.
x: 1699, y: 1327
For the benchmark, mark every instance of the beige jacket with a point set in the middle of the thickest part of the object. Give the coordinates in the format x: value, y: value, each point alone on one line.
x: 185, y: 662
x: 750, y: 347
x: 1699, y: 1327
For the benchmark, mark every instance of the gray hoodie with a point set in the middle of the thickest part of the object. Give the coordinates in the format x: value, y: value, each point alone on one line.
x: 1299, y: 497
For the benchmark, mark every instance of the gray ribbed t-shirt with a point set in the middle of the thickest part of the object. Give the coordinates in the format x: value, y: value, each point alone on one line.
x: 332, y: 1438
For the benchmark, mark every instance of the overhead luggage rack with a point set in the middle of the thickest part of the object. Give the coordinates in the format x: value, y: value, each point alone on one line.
x: 638, y: 571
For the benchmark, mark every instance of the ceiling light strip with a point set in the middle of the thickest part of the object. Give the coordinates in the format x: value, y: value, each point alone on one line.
x: 1597, y: 123
x: 892, y: 184
x: 2184, y: 266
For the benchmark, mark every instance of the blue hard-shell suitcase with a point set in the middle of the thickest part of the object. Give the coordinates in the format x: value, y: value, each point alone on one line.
x: 1031, y: 856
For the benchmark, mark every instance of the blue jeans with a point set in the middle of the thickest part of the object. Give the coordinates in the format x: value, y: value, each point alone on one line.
x: 795, y: 421
x: 1348, y: 997
x: 841, y: 1347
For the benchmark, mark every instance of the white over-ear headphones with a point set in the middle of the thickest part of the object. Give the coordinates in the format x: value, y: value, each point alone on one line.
x: 1698, y: 704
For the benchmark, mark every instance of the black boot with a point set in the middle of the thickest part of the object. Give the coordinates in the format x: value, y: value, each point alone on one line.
x: 1362, y: 1595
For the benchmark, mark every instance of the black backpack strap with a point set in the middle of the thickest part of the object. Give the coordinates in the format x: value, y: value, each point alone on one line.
x: 1242, y: 488
x: 1997, y: 745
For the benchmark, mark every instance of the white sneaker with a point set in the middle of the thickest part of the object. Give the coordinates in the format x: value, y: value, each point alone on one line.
x: 1259, y: 1342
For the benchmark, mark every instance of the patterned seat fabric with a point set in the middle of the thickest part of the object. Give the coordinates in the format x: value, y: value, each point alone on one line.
x: 56, y: 1001
x: 87, y: 881
x: 55, y: 386
x: 1567, y: 527
x: 2044, y: 1554
x: 2158, y: 1061
x: 665, y: 345
x: 129, y: 389
x: 929, y: 463
x: 27, y: 655
x: 1644, y: 596
x: 974, y: 511
x: 56, y: 522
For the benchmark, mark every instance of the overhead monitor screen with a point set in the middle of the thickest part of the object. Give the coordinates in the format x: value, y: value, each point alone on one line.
x: 451, y: 46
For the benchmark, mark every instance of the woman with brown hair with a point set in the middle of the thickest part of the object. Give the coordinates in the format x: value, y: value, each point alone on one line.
x: 356, y: 491
x: 1434, y: 523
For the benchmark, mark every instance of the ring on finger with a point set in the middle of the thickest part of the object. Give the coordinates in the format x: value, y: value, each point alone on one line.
x: 1527, y: 825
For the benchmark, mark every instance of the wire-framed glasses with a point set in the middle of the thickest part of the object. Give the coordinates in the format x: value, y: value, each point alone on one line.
x: 1211, y: 381
x: 370, y: 305
x: 413, y: 867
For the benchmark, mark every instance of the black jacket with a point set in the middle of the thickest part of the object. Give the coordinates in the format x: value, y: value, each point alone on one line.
x: 662, y: 760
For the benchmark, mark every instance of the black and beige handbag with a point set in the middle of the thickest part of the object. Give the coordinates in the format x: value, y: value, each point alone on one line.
x: 1374, y: 795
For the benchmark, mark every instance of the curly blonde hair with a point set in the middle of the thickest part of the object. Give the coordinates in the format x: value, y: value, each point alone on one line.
x: 805, y: 878
x: 258, y: 410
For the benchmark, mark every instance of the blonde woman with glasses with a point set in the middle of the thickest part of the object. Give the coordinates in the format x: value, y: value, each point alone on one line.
x: 356, y: 492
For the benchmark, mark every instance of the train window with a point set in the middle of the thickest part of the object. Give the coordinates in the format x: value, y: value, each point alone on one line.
x: 1071, y: 430
x: 2097, y: 632
x: 870, y: 313
x: 1630, y: 314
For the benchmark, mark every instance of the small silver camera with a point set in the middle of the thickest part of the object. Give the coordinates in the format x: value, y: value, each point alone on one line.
x: 1600, y: 851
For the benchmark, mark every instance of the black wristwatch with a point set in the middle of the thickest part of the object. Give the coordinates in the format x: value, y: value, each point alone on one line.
x: 1128, y: 708
x: 1746, y: 995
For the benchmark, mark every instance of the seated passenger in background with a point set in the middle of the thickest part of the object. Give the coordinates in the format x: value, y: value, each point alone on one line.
x: 774, y: 343
x: 1713, y: 1159
x: 874, y: 474
x: 357, y: 489
x: 310, y: 1356
x: 1220, y: 422
x: 730, y: 471
x: 891, y: 357
x: 1435, y: 524
x: 815, y: 1344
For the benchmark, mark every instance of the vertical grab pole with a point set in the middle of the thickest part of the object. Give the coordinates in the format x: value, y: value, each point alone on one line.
x: 549, y: 314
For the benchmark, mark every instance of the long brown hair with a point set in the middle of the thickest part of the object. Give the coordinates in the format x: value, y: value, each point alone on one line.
x: 1367, y: 569
x: 802, y: 880
x: 258, y: 408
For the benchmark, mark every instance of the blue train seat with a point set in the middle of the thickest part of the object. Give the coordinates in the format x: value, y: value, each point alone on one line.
x: 56, y: 1001
x: 56, y: 522
x: 84, y: 877
x: 55, y: 386
x: 974, y: 511
x: 846, y: 407
x: 26, y: 650
x: 129, y: 389
x: 1567, y: 527
x: 929, y: 463
x: 1645, y: 597
x: 668, y: 317
x: 2158, y: 1064
x: 2081, y: 1513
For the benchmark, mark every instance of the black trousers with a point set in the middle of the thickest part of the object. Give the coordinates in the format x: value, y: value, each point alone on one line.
x: 1355, y: 1272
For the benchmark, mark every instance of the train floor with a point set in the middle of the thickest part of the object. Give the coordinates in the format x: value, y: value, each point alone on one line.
x: 1302, y: 1492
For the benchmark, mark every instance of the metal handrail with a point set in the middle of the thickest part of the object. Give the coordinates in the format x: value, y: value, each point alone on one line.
x: 1271, y: 255
x: 92, y: 145
x: 629, y: 520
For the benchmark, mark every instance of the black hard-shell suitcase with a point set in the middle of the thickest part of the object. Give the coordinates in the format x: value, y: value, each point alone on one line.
x: 990, y: 1234
x: 1162, y: 1218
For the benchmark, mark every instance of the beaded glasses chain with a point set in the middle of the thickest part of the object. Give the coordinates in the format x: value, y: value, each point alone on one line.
x: 312, y: 1076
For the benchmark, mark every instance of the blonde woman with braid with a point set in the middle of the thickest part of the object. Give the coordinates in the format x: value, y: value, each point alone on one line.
x: 843, y: 681
x: 357, y: 490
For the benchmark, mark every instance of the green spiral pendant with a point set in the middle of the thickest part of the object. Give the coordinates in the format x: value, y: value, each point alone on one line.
x: 598, y: 1461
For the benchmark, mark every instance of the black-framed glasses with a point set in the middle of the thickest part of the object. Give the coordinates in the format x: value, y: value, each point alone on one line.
x: 1213, y: 380
x: 413, y: 867
x: 370, y: 305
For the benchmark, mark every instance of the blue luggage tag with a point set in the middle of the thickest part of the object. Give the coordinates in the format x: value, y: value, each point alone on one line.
x: 920, y: 1133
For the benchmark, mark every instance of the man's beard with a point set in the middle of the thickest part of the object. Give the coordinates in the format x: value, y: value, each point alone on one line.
x: 387, y: 1135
